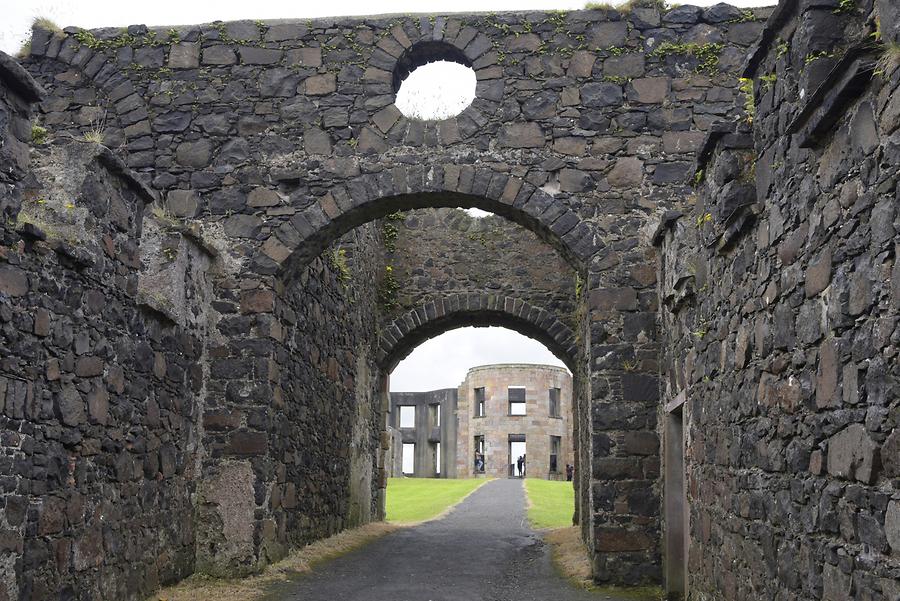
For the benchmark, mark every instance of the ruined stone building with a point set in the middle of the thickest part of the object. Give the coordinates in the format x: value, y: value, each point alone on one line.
x: 696, y: 211
x: 480, y: 428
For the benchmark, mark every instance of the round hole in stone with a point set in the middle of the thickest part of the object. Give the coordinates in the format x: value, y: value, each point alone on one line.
x: 433, y: 81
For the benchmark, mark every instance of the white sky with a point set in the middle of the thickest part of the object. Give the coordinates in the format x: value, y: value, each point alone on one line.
x: 16, y: 15
x: 442, y: 362
x: 438, y: 363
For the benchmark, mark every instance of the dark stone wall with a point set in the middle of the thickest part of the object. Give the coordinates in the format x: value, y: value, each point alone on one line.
x: 439, y: 252
x: 329, y: 426
x: 780, y: 299
x: 99, y: 394
x: 18, y: 92
x: 294, y: 417
x: 279, y: 138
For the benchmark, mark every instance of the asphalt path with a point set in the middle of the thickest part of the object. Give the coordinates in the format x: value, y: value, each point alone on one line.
x: 483, y: 550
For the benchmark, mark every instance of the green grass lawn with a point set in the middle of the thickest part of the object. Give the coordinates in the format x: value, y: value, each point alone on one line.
x: 552, y: 503
x: 417, y: 499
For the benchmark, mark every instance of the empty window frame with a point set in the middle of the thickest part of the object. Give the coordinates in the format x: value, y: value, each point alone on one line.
x: 554, y: 403
x: 479, y: 402
x: 435, y: 414
x: 516, y: 396
x: 437, y: 458
x: 555, y: 445
x: 409, y: 458
x: 479, y: 455
x: 407, y: 416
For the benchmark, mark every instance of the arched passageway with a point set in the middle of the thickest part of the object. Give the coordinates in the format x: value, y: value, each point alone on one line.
x: 369, y: 197
x: 432, y: 319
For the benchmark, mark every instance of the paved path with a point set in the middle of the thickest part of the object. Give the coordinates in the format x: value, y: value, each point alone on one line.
x: 484, y: 550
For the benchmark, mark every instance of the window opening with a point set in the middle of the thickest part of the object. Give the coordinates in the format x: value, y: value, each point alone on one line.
x: 554, y: 402
x: 516, y: 396
x: 479, y: 455
x: 437, y: 458
x: 479, y: 402
x: 555, y: 444
x: 407, y: 416
x: 517, y: 460
x: 433, y: 81
x: 409, y: 458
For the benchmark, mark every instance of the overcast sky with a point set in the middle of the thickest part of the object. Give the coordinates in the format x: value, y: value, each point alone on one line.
x: 439, y: 363
x: 442, y: 362
x: 16, y: 15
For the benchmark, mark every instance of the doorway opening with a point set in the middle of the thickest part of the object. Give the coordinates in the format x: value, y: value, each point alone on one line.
x: 409, y: 458
x: 517, y: 461
x: 676, y: 507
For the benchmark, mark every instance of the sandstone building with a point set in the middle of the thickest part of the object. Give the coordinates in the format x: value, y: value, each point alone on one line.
x: 498, y: 413
x: 696, y: 211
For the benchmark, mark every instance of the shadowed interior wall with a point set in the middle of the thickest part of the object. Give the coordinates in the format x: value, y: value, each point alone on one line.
x: 780, y: 295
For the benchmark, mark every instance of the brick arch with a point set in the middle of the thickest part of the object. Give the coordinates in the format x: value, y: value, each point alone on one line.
x: 373, y: 196
x: 406, y: 332
x: 101, y: 69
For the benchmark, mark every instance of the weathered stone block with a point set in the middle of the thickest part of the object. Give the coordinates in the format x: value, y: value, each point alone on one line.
x: 627, y: 172
x: 184, y: 55
x: 827, y: 392
x: 852, y: 454
x: 892, y: 525
x: 13, y: 281
x: 521, y: 135
x: 246, y: 443
x: 818, y: 274
x: 618, y: 299
x: 250, y: 55
x: 263, y: 197
x: 319, y: 85
x: 650, y: 90
x: 183, y: 203
x: 219, y: 55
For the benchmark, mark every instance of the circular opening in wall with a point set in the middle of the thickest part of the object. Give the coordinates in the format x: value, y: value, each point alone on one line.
x: 433, y: 81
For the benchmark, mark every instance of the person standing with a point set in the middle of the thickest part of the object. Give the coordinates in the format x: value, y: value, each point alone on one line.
x: 519, y: 464
x: 570, y: 472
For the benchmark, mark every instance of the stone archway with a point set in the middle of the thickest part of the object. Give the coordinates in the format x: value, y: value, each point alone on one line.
x: 368, y: 197
x: 441, y: 315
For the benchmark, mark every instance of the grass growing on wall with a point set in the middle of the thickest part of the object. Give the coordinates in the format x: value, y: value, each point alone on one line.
x: 551, y: 503
x: 417, y: 499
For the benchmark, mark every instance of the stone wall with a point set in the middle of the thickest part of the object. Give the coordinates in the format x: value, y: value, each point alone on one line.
x: 294, y: 416
x: 278, y: 138
x: 424, y: 434
x: 18, y: 92
x: 440, y: 252
x: 101, y: 393
x: 780, y: 300
x: 497, y: 424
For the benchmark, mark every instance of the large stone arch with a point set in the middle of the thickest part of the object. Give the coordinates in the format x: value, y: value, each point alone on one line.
x: 369, y: 197
x: 124, y: 100
x: 405, y: 333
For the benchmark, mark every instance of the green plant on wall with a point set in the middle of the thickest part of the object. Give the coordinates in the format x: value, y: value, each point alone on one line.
x: 39, y: 134
x: 387, y: 289
x: 390, y: 232
x: 746, y: 89
x: 706, y: 54
x: 338, y: 260
x: 889, y: 60
x: 845, y: 7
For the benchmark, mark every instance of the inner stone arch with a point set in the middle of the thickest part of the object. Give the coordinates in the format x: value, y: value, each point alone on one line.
x: 432, y: 319
x: 368, y: 198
